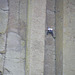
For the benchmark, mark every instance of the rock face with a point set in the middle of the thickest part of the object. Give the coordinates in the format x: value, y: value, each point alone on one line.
x: 3, y: 28
x: 69, y: 38
x: 12, y: 36
x: 15, y: 56
x: 3, y: 24
x: 15, y: 52
x: 59, y: 37
x: 13, y: 27
x: 36, y: 37
x: 2, y: 43
x: 4, y: 5
x: 49, y: 40
x: 25, y: 49
x: 1, y: 63
x: 65, y: 37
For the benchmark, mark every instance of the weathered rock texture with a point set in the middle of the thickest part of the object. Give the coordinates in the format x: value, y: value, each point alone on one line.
x: 3, y: 28
x: 59, y: 37
x: 1, y: 63
x: 65, y: 37
x: 13, y: 26
x: 15, y: 55
x: 69, y: 38
x: 13, y: 23
x: 36, y: 37
x: 49, y: 68
x: 23, y: 39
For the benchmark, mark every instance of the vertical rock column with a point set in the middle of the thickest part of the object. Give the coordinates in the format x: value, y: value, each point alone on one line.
x: 65, y: 37
x: 69, y: 38
x: 15, y: 53
x: 36, y: 37
x: 49, y: 40
x: 59, y: 37
x: 3, y: 28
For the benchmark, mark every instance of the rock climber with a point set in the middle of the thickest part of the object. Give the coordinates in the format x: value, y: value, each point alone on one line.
x: 50, y: 31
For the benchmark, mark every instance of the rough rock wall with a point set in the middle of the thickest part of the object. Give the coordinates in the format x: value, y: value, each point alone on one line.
x: 69, y: 38
x: 13, y: 25
x: 49, y: 66
x: 35, y: 37
x: 12, y: 36
x: 65, y: 37
x: 59, y: 37
x: 3, y: 28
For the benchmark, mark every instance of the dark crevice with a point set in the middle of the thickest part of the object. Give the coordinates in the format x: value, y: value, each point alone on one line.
x: 6, y: 39
x: 1, y: 73
x: 4, y: 9
x: 49, y: 43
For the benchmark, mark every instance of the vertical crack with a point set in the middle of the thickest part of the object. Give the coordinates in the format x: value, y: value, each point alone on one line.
x: 26, y: 33
x: 55, y: 34
x: 6, y: 39
x: 19, y: 18
x: 49, y: 42
x: 19, y: 26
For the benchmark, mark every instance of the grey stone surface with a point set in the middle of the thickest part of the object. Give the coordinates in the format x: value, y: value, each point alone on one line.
x: 69, y: 38
x: 3, y: 28
x: 15, y: 56
x: 23, y: 18
x: 59, y: 37
x: 18, y: 16
x: 3, y: 21
x: 1, y: 63
x: 4, y: 5
x: 50, y: 5
x: 23, y: 10
x: 65, y: 41
x: 49, y: 66
x: 15, y: 53
x: 14, y: 15
x: 36, y: 37
x: 14, y: 61
x: 2, y: 43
